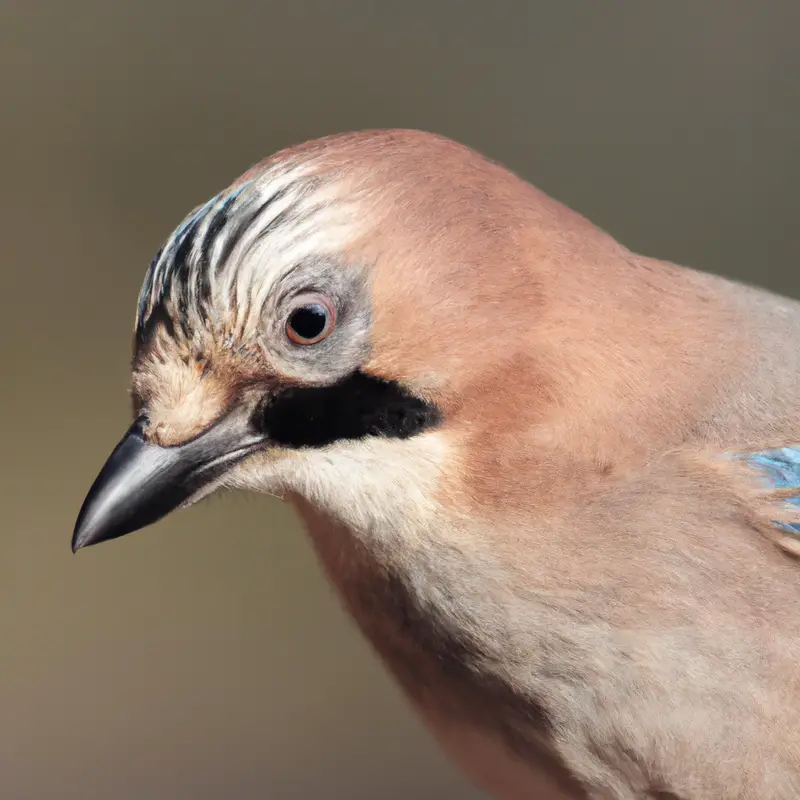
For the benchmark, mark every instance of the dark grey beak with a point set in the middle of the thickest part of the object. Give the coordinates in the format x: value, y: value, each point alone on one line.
x: 142, y: 482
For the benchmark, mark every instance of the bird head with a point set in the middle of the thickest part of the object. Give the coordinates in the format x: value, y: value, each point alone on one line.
x: 387, y: 324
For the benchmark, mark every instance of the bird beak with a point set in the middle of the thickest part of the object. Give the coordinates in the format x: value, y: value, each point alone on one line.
x: 142, y: 482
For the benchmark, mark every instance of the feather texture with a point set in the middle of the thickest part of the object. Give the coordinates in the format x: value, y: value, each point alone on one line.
x: 780, y: 469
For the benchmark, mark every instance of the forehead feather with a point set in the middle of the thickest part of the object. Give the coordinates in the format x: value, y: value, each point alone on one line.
x: 458, y: 250
x: 216, y: 269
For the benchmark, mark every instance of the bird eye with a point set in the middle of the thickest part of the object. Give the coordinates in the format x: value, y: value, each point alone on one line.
x: 311, y: 320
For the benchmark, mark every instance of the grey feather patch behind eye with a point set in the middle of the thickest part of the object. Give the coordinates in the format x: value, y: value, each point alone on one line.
x: 348, y: 345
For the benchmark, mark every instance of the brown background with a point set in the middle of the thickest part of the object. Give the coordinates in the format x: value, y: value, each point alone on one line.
x: 205, y: 658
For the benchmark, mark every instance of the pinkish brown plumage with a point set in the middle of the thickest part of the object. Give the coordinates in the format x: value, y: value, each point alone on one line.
x: 546, y: 475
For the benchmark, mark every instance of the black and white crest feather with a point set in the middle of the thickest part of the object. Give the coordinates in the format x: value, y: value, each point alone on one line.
x: 214, y: 271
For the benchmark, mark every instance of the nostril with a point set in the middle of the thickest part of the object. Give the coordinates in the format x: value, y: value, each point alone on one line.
x: 157, y: 434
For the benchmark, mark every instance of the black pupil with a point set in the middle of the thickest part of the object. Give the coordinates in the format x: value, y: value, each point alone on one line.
x: 308, y: 322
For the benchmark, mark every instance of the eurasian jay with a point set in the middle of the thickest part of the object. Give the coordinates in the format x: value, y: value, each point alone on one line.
x: 552, y: 480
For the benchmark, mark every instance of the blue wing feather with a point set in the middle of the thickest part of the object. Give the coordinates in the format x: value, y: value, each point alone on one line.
x: 781, y: 470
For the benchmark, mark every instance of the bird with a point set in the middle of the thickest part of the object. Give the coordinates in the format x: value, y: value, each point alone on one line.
x: 554, y: 482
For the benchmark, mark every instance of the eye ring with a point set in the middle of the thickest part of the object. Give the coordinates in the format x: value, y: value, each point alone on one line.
x: 311, y: 319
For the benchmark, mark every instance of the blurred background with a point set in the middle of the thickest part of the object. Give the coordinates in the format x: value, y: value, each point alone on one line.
x: 206, y: 657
